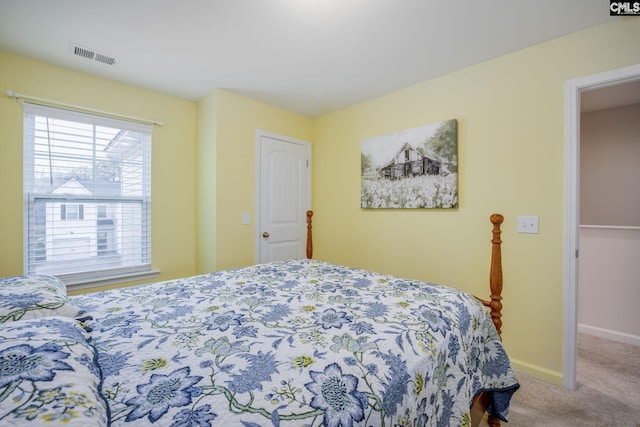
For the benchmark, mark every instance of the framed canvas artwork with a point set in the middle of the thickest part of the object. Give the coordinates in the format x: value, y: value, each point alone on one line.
x: 413, y: 168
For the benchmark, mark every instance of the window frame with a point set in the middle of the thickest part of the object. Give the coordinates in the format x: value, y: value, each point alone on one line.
x: 97, y: 273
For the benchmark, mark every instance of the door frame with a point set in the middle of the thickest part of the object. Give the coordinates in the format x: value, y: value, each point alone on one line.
x: 573, y: 88
x: 258, y: 209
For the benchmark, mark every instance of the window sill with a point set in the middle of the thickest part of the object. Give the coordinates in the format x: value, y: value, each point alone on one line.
x: 75, y: 284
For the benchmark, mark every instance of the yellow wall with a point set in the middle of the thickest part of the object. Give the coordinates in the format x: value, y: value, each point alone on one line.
x: 206, y: 185
x: 510, y: 113
x: 173, y: 156
x: 236, y: 120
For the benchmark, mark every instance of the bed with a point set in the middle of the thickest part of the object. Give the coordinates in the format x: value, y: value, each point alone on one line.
x: 288, y: 343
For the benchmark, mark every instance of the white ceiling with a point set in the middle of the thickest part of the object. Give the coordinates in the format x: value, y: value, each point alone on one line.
x: 307, y: 56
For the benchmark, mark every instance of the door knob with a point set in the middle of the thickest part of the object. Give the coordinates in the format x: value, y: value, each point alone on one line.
x: 265, y: 235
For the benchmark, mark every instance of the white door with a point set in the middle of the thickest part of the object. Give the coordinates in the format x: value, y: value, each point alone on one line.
x: 284, y: 196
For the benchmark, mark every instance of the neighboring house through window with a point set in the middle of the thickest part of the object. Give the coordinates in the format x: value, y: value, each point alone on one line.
x: 87, y: 188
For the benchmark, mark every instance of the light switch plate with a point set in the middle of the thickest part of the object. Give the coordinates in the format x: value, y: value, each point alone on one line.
x: 528, y: 224
x: 246, y: 219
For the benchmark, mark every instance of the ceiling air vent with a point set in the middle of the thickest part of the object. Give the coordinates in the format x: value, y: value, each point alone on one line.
x: 105, y: 59
x: 91, y: 54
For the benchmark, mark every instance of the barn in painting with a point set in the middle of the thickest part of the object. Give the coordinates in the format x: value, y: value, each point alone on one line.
x: 409, y: 162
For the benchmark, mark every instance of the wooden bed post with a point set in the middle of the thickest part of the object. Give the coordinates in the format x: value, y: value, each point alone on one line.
x: 495, y: 274
x: 494, y: 304
x: 309, y: 238
x: 495, y: 284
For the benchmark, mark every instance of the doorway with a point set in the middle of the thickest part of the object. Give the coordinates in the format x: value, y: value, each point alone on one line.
x: 573, y: 91
x: 283, y: 192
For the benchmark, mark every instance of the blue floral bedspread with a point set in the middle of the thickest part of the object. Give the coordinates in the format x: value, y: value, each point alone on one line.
x: 295, y: 343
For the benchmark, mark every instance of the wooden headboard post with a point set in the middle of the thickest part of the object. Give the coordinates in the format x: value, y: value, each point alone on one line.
x: 309, y: 238
x: 495, y: 274
x: 494, y: 304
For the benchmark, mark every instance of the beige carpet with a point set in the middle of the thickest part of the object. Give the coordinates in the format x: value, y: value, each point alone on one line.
x: 608, y: 392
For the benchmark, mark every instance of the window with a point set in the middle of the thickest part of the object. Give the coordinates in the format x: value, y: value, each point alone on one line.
x: 87, y: 189
x: 102, y: 211
x: 71, y: 212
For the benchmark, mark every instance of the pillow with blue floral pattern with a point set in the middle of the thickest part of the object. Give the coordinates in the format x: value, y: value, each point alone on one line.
x: 31, y: 297
x: 49, y: 375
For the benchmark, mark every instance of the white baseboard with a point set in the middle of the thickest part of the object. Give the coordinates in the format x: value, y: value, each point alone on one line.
x: 608, y: 334
x: 545, y: 374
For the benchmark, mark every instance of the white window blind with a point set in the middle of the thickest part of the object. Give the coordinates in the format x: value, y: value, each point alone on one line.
x: 87, y: 192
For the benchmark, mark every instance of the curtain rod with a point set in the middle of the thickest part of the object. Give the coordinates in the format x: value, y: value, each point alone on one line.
x: 19, y: 96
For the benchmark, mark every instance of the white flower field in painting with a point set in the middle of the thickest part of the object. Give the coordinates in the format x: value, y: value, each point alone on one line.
x: 427, y: 191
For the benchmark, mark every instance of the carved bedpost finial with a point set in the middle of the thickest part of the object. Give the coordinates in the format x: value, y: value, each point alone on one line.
x: 496, y: 219
x: 309, y: 238
x: 495, y: 275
